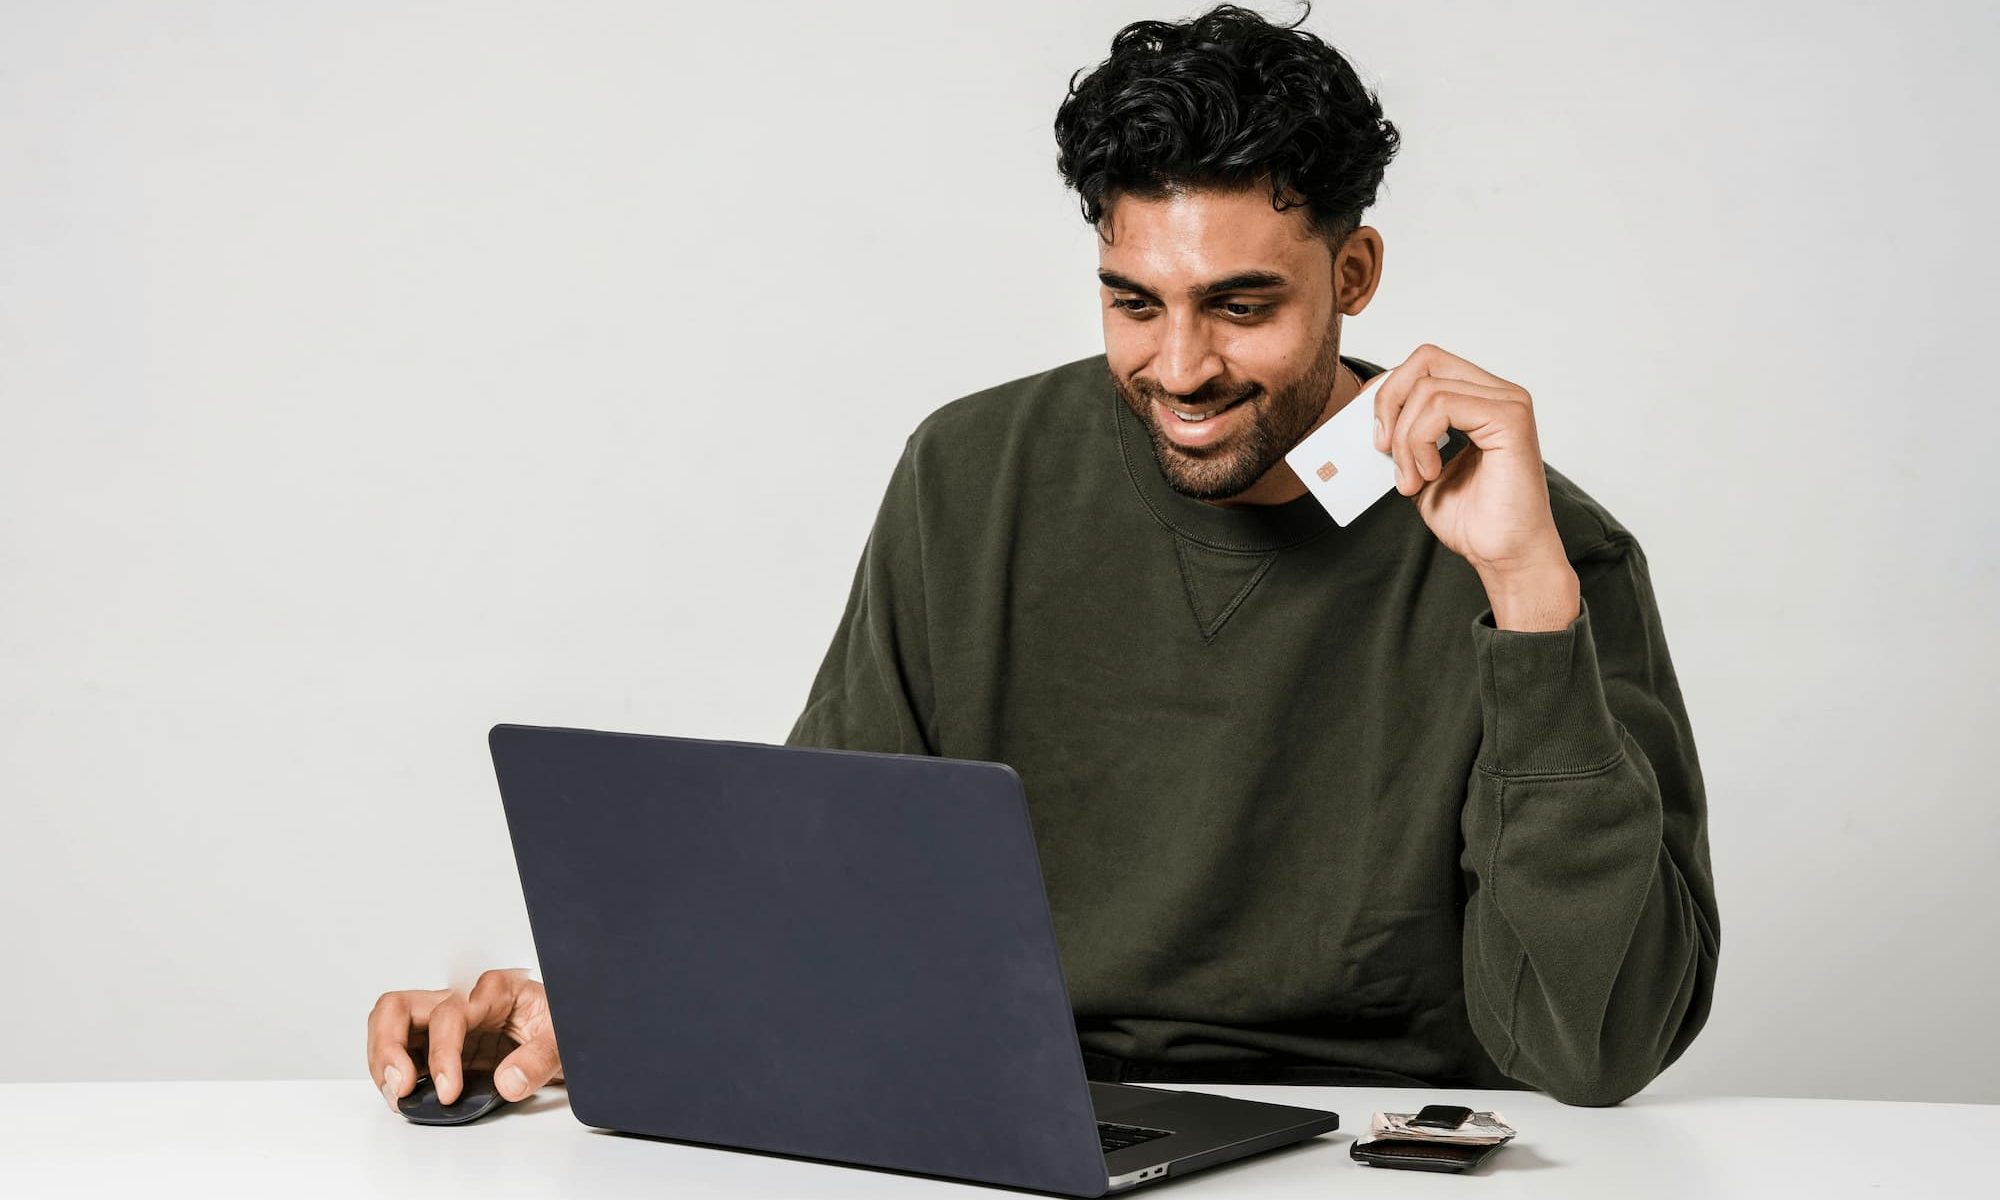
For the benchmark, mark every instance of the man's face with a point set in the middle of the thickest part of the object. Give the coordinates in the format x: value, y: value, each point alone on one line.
x: 1218, y: 305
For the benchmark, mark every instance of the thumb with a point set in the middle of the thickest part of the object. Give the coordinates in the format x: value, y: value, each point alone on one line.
x: 531, y: 1065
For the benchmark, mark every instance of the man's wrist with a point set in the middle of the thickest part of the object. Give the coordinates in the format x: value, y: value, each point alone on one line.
x: 1542, y: 598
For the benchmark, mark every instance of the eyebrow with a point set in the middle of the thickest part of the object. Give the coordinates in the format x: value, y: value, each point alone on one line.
x: 1242, y: 281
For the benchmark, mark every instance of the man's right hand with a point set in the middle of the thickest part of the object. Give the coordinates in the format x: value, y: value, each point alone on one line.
x: 502, y: 1026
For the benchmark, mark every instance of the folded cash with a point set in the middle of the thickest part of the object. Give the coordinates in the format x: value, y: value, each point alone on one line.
x: 1479, y: 1129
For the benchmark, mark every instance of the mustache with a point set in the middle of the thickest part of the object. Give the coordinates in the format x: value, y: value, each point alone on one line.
x: 1202, y: 399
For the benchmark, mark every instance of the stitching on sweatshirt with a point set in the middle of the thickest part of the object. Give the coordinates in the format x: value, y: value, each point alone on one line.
x: 1187, y: 588
x: 1209, y: 630
x: 1601, y: 768
x: 1521, y: 959
x: 1514, y: 1012
x: 927, y: 722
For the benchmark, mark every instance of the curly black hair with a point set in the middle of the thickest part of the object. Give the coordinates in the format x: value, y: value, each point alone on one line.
x: 1226, y: 100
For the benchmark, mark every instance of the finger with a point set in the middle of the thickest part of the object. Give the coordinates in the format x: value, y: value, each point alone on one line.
x: 389, y: 1065
x: 1438, y: 406
x: 1468, y: 407
x: 1390, y: 397
x: 1429, y: 361
x: 1421, y: 403
x: 1416, y: 398
x: 1444, y: 364
x: 447, y: 1038
x: 390, y: 1023
x: 1384, y: 414
x: 483, y: 1011
x: 492, y: 998
x: 1444, y: 410
x: 1398, y: 390
x: 532, y: 1064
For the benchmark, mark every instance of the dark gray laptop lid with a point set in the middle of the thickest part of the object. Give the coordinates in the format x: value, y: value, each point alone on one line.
x: 828, y: 953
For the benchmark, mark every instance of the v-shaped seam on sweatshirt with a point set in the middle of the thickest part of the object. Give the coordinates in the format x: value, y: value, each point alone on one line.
x: 1218, y: 581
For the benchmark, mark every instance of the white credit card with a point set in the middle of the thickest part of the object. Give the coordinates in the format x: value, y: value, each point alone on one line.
x: 1339, y: 464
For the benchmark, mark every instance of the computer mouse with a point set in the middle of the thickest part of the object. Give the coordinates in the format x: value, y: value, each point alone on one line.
x: 478, y: 1097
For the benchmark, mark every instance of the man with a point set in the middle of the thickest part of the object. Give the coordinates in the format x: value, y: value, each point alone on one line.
x: 1413, y: 800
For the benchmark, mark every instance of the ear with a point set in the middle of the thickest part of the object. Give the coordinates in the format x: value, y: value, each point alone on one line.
x: 1357, y: 270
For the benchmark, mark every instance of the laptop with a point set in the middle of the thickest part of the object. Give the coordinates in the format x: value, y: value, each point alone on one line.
x: 830, y: 954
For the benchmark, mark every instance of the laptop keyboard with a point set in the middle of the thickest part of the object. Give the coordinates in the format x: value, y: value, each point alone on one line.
x: 1118, y: 1137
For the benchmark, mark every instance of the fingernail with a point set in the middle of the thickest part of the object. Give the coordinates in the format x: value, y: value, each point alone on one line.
x: 515, y: 1081
x: 392, y: 1078
x: 389, y: 1097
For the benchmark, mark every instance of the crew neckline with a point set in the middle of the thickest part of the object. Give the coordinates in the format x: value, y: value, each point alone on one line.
x: 1252, y: 528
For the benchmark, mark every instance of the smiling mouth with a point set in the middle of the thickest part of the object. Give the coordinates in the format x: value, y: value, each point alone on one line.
x: 1196, y: 417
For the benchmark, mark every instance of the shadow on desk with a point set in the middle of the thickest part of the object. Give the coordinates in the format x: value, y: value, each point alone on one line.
x: 1328, y: 1143
x: 1513, y: 1157
x: 541, y: 1101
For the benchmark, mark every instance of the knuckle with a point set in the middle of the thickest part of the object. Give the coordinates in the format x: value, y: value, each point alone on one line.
x: 385, y: 1022
x: 491, y: 986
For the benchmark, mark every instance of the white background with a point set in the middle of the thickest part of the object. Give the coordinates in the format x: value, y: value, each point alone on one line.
x: 374, y: 373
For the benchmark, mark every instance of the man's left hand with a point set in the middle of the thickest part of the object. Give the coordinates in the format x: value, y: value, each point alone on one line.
x: 1490, y: 504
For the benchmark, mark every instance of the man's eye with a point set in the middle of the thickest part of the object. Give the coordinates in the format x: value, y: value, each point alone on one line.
x: 1233, y: 308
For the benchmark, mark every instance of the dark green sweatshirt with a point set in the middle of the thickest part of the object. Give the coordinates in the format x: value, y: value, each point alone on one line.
x: 1304, y: 813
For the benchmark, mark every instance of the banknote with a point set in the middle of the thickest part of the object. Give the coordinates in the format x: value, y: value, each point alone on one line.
x: 1479, y: 1129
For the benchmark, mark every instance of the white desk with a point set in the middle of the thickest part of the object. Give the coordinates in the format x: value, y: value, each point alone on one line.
x: 336, y: 1138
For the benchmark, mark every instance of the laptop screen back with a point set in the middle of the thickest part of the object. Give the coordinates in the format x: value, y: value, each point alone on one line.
x: 835, y: 954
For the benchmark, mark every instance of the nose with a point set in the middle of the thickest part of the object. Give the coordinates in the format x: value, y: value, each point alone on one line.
x: 1185, y: 361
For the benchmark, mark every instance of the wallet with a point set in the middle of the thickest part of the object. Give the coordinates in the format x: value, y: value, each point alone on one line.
x: 1420, y: 1156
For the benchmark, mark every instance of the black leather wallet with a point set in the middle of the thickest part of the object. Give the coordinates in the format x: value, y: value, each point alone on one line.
x: 1420, y: 1156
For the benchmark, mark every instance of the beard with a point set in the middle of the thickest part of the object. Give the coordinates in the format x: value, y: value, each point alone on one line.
x: 1276, y: 423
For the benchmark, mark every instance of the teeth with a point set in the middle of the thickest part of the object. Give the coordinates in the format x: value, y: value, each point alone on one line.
x: 1197, y: 418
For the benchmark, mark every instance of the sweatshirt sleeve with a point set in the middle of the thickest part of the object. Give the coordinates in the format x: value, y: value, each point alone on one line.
x: 1591, y: 929
x: 873, y: 689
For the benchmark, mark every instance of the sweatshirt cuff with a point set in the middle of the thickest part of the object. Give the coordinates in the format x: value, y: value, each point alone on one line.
x: 1542, y: 699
